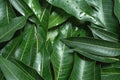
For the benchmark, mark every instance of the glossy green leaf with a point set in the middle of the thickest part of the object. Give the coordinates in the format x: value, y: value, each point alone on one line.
x: 95, y: 57
x: 42, y: 57
x: 57, y: 17
x: 12, y: 72
x: 117, y: 8
x: 104, y: 34
x: 78, y: 8
x: 105, y: 14
x: 94, y: 46
x: 23, y: 52
x: 34, y: 6
x: 83, y: 69
x: 8, y: 30
x: 27, y: 69
x: 6, y: 12
x: 62, y: 60
x: 21, y: 7
x: 10, y: 48
x: 110, y: 74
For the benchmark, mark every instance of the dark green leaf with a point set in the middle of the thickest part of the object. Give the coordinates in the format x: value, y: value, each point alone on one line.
x: 117, y: 8
x: 83, y: 69
x: 12, y: 72
x: 21, y: 7
x: 104, y: 34
x: 57, y: 17
x: 94, y: 46
x: 23, y: 52
x: 7, y: 31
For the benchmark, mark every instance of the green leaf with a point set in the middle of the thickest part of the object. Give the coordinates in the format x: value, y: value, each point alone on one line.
x: 42, y: 57
x: 10, y: 48
x: 21, y: 7
x: 110, y: 74
x: 34, y: 6
x: 79, y: 8
x: 105, y: 14
x: 8, y: 30
x: 57, y: 17
x: 23, y: 52
x: 117, y: 8
x: 83, y: 69
x: 104, y: 34
x: 28, y: 70
x: 62, y: 60
x: 13, y: 72
x: 94, y: 46
x: 97, y: 58
x: 6, y: 12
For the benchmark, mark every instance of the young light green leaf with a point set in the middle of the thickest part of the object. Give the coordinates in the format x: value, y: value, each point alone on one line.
x: 94, y: 46
x: 8, y: 30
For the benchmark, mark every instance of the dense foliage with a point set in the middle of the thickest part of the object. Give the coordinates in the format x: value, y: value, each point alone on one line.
x: 59, y: 40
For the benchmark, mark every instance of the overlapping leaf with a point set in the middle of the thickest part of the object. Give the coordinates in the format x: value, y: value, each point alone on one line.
x: 94, y: 46
x: 8, y: 30
x: 11, y: 71
x: 83, y: 69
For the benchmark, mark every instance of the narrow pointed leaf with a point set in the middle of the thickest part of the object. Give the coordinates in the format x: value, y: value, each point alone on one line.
x: 8, y: 30
x: 23, y: 52
x: 97, y: 58
x: 94, y: 46
x: 104, y: 34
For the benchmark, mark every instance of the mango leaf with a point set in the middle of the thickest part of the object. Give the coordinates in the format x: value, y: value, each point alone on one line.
x: 117, y: 8
x: 94, y: 46
x: 105, y: 14
x: 98, y: 71
x: 57, y: 17
x: 23, y: 52
x: 6, y: 12
x: 104, y: 34
x: 27, y: 69
x: 34, y: 6
x: 83, y: 69
x: 8, y: 30
x: 110, y: 74
x: 10, y: 48
x: 79, y: 8
x: 21, y: 7
x: 11, y: 71
x: 62, y: 60
x: 42, y: 58
x: 97, y: 58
